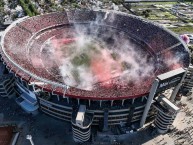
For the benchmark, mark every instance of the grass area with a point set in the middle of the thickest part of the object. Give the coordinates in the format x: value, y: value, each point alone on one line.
x: 168, y: 15
x: 182, y: 29
x: 188, y: 1
x: 166, y: 3
x: 141, y: 6
x: 190, y: 48
x: 163, y: 14
x: 118, y: 2
x: 158, y: 3
x: 153, y: 17
x: 156, y: 15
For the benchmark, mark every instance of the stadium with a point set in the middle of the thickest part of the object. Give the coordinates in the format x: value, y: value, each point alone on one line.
x: 94, y: 68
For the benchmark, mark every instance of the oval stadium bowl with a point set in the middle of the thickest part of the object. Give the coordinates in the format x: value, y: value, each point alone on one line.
x: 97, y: 55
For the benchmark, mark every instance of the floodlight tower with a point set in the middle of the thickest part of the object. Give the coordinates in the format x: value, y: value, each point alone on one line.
x: 29, y: 137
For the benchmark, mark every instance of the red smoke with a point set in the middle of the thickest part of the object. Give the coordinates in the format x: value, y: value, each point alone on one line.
x: 171, y: 61
x: 104, y: 67
x: 57, y: 43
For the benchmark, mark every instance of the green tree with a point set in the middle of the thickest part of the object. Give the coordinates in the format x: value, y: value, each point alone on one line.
x: 2, y: 13
x: 28, y: 7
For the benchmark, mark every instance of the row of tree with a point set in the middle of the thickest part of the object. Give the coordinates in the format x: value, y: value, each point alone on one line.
x: 28, y: 7
x: 2, y: 13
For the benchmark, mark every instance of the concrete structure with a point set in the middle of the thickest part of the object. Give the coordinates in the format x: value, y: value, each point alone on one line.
x: 26, y: 98
x: 29, y: 137
x: 39, y: 83
x: 80, y: 115
x: 163, y: 82
x: 6, y: 82
x: 81, y: 126
x: 188, y: 81
x: 167, y: 112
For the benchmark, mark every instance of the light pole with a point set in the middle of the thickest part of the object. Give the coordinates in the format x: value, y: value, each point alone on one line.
x: 29, y: 137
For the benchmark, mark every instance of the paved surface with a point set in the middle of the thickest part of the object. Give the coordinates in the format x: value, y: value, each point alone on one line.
x: 45, y: 130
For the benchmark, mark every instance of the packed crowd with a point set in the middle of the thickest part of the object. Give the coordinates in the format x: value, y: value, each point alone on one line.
x: 17, y: 43
x: 81, y: 16
x: 155, y: 36
x: 113, y: 92
x: 35, y: 24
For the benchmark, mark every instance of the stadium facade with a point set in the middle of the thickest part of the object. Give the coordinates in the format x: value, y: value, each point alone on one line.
x: 39, y: 85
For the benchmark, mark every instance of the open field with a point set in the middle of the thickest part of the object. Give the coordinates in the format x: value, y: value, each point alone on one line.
x: 182, y: 29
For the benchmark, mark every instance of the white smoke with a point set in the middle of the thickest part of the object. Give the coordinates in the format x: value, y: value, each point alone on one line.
x: 131, y: 63
x: 173, y: 61
x: 102, y: 66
